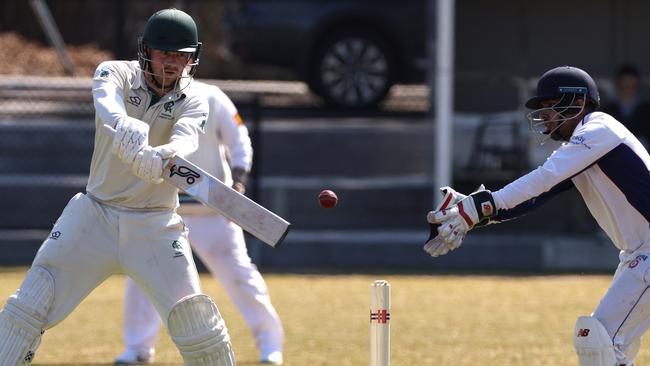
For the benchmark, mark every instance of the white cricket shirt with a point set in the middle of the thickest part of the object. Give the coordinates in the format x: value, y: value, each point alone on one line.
x: 225, y: 142
x: 119, y: 90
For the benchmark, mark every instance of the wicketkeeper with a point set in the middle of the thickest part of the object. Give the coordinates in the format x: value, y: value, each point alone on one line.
x: 126, y: 221
x: 610, y: 168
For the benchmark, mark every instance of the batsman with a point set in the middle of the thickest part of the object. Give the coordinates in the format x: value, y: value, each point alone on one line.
x: 126, y: 221
x: 610, y: 169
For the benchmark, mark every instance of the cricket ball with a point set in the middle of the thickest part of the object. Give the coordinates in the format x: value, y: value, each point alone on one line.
x: 327, y: 199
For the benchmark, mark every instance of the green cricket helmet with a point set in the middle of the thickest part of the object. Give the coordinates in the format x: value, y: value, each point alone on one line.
x: 169, y: 30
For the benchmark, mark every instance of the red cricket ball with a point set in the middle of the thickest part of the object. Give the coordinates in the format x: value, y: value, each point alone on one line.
x: 327, y: 199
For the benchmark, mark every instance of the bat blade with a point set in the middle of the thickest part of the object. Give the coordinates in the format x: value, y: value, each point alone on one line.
x: 252, y: 217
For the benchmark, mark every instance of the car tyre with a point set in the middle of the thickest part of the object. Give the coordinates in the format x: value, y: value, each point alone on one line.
x: 352, y: 69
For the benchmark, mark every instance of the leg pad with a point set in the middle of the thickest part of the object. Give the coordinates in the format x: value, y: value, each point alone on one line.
x: 593, y: 344
x: 24, y: 316
x: 200, y: 333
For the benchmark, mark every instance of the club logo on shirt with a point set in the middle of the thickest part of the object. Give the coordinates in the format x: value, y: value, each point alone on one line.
x: 579, y: 140
x: 635, y: 262
x: 104, y: 72
x: 55, y: 235
x: 167, y: 112
x: 185, y: 172
x: 134, y: 100
x: 178, y: 249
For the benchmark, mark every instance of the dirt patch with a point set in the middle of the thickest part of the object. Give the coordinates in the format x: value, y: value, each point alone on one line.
x: 21, y: 56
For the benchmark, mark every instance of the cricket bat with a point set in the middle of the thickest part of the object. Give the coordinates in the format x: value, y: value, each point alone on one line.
x: 252, y: 217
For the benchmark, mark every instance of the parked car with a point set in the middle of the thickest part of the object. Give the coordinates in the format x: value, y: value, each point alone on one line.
x: 349, y: 52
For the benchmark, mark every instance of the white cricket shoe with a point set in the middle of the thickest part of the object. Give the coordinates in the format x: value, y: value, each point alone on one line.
x: 273, y: 358
x: 135, y: 357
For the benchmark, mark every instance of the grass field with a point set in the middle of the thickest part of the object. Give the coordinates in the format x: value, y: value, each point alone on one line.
x: 436, y: 320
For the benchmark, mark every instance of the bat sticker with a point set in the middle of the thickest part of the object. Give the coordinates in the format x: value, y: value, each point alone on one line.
x: 184, y: 172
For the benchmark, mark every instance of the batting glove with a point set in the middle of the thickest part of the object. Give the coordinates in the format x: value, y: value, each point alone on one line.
x: 131, y: 136
x: 149, y: 162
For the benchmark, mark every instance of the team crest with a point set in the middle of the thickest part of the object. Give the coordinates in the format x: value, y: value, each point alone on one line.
x: 104, y: 72
x: 167, y: 112
x: 178, y: 249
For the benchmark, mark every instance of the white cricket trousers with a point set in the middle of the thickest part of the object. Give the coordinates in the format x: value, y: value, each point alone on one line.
x: 625, y: 308
x: 91, y: 241
x: 220, y: 245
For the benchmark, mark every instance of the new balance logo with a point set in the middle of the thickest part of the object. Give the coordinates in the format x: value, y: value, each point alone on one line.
x: 583, y: 332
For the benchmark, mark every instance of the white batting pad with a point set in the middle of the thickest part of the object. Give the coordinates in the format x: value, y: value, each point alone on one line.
x: 23, y: 318
x: 593, y: 345
x: 200, y: 333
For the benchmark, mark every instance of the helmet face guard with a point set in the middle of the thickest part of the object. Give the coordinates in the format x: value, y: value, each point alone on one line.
x: 564, y: 109
x: 564, y: 84
x: 145, y: 60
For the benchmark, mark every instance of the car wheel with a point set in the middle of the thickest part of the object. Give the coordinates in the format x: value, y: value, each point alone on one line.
x: 352, y: 69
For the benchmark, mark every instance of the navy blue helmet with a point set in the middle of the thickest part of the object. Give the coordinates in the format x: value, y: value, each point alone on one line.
x: 566, y: 83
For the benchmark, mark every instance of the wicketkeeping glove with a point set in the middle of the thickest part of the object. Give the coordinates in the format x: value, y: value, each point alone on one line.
x: 456, y: 221
x: 131, y: 136
x: 435, y: 245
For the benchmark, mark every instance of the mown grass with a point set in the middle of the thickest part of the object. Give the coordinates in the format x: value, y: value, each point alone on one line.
x: 436, y: 320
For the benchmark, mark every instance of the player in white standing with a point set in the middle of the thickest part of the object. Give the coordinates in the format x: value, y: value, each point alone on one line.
x: 216, y: 240
x: 610, y: 168
x: 126, y: 221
